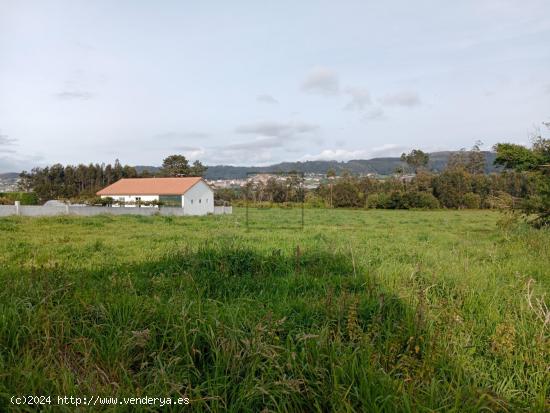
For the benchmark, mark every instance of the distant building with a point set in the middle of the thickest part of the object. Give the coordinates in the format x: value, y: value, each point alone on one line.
x: 192, y: 194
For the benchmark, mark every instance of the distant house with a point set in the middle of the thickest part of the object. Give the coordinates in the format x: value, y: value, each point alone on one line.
x: 192, y: 194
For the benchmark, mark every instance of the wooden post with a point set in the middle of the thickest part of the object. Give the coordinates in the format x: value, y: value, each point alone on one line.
x: 17, y: 210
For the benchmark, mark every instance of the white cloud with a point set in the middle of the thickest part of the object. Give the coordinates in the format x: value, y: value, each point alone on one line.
x: 191, y: 152
x: 323, y: 81
x: 182, y: 135
x: 389, y: 149
x: 17, y: 163
x: 265, y: 98
x: 5, y: 140
x: 360, y: 98
x: 277, y: 129
x: 374, y: 114
x: 74, y: 95
x: 404, y: 98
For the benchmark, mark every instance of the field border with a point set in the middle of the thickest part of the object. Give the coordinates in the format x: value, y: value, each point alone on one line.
x: 301, y: 192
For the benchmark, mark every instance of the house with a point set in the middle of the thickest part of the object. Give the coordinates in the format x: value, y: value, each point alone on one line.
x: 192, y: 194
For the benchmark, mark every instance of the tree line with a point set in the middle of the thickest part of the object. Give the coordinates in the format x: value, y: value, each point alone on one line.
x: 83, y: 181
x: 523, y: 184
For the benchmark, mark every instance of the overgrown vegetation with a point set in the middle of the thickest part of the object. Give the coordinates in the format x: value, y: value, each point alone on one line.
x: 535, y: 162
x: 454, y: 188
x: 361, y: 311
x: 26, y: 198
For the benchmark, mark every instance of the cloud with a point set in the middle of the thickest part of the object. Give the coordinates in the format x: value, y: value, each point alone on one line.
x: 405, y: 98
x: 389, y: 149
x: 260, y: 143
x: 277, y: 129
x: 258, y: 151
x: 375, y: 114
x: 18, y: 164
x: 272, y: 141
x: 191, y: 152
x: 323, y: 81
x: 5, y: 140
x: 182, y: 135
x: 74, y: 95
x: 267, y: 99
x: 360, y: 98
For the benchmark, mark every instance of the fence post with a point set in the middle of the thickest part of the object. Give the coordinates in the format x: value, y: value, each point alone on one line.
x: 17, y: 210
x: 67, y: 209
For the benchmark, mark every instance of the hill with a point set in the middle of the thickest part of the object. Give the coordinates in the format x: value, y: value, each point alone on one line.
x: 381, y: 166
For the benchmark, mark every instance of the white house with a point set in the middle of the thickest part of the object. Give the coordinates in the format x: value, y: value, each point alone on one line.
x: 192, y: 194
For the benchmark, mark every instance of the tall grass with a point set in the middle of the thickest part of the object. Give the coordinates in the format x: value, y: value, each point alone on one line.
x: 376, y: 311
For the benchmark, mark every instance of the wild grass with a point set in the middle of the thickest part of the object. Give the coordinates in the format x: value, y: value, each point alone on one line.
x: 377, y: 311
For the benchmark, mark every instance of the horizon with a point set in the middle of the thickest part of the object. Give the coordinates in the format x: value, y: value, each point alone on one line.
x: 252, y: 166
x: 254, y: 84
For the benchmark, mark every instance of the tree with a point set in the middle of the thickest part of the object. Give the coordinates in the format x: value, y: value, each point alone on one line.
x: 175, y: 165
x: 475, y: 163
x: 198, y: 169
x: 536, y: 162
x: 331, y: 174
x: 472, y: 161
x: 457, y: 160
x: 64, y: 182
x: 451, y: 186
x: 415, y: 159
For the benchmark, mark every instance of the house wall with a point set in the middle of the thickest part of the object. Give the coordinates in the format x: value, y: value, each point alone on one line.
x: 198, y: 200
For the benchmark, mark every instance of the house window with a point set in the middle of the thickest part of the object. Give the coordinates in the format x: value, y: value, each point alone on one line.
x: 170, y: 200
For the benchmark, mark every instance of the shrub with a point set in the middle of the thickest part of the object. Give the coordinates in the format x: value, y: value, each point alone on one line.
x: 312, y: 200
x: 471, y: 201
x: 378, y: 200
x: 501, y: 200
x: 423, y: 200
x: 403, y: 200
x: 26, y: 198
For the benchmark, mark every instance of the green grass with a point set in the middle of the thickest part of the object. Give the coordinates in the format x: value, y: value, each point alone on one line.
x: 375, y: 311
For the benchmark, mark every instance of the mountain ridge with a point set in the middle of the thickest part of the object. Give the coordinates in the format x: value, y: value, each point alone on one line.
x: 380, y: 165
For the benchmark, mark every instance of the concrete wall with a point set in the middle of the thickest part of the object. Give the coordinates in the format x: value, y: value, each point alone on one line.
x: 6, y: 210
x: 199, y: 200
x: 41, y: 211
x: 221, y: 210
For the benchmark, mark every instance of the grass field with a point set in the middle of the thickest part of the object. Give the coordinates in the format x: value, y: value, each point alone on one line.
x: 361, y: 311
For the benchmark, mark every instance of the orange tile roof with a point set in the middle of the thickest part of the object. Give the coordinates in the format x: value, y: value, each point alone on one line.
x: 150, y: 186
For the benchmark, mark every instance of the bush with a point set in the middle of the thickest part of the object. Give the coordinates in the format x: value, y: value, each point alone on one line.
x: 501, y: 200
x: 423, y: 200
x: 312, y: 200
x: 403, y: 200
x: 26, y: 198
x: 471, y: 201
x: 378, y: 200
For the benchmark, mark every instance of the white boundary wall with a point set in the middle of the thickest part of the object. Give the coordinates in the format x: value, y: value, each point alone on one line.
x: 44, y: 211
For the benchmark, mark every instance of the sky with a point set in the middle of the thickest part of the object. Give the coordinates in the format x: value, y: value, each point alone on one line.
x: 255, y: 83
